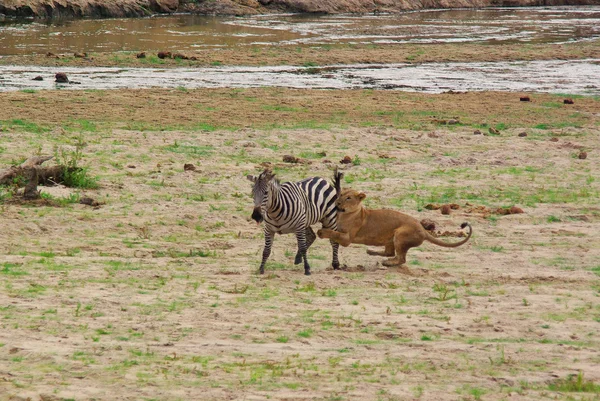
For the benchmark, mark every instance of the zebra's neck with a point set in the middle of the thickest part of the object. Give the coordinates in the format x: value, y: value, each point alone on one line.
x: 273, y: 195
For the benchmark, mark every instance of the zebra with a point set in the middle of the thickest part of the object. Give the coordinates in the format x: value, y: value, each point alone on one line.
x: 292, y: 208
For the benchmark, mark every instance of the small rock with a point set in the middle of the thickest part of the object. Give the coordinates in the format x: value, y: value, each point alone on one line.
x: 582, y: 155
x: 476, y: 132
x: 554, y: 139
x: 445, y: 209
x: 493, y: 131
x: 346, y: 160
x: 90, y: 201
x: 523, y: 134
x: 61, y: 77
x: 131, y: 166
x: 38, y: 78
x: 453, y: 121
x: 50, y: 54
x: 568, y: 101
x: 322, y: 153
x: 290, y: 159
x: 180, y: 56
x: 162, y: 55
x: 80, y: 55
x: 141, y: 55
x: 525, y: 99
x: 326, y: 161
x: 428, y: 224
x: 189, y: 167
x: 516, y: 210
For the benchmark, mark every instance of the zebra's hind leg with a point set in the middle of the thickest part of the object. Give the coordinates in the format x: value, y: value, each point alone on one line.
x: 332, y: 225
x: 301, y: 237
x: 267, y: 250
x: 310, y: 238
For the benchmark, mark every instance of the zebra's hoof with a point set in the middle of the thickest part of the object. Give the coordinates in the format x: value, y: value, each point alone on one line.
x: 307, y: 273
x: 298, y: 259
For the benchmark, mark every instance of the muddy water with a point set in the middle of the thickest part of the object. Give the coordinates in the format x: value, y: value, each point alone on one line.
x: 573, y: 77
x: 189, y: 32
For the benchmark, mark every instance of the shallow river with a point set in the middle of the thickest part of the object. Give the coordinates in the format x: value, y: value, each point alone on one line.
x: 569, y: 77
x: 187, y: 32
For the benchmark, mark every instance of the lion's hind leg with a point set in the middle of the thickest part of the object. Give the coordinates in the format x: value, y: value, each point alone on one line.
x: 404, y: 239
x: 389, y: 250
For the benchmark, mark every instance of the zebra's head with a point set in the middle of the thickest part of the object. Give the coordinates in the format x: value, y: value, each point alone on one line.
x: 260, y: 192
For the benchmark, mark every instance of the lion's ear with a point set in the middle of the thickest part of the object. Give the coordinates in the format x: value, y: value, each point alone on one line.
x: 362, y: 195
x: 251, y: 177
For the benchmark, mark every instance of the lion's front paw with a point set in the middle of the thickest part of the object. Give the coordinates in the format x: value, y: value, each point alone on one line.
x: 321, y: 234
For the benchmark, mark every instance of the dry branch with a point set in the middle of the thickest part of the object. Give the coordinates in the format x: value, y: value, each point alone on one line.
x: 32, y: 173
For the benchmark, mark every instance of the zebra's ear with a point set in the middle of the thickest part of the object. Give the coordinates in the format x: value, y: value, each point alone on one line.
x: 362, y: 195
x: 251, y: 177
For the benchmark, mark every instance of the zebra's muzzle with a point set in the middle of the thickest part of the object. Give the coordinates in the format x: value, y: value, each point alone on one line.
x: 257, y: 215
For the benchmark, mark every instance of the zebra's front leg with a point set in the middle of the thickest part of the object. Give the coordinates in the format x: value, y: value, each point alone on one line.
x: 267, y: 250
x: 310, y: 238
x: 335, y: 261
x: 301, y: 236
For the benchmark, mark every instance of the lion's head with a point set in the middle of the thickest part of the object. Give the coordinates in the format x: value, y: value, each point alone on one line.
x: 349, y: 200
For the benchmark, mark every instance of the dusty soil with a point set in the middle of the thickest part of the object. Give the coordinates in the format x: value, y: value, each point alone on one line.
x: 155, y: 293
x: 326, y: 55
x: 137, y: 8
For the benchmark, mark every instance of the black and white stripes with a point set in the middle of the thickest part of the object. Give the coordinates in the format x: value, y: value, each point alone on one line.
x: 293, y: 208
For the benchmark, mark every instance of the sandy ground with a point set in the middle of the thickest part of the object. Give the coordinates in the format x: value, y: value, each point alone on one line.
x: 155, y: 294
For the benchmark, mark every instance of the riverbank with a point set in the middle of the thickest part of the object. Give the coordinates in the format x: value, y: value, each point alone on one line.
x: 314, y: 56
x: 138, y: 8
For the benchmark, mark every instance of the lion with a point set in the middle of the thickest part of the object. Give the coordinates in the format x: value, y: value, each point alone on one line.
x: 396, y: 231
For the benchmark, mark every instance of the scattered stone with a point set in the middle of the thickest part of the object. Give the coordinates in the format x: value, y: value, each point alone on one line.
x: 162, y: 55
x: 582, y: 155
x: 131, y: 166
x: 445, y: 209
x: 516, y: 210
x: 522, y: 134
x: 428, y: 224
x: 141, y: 55
x: 432, y: 135
x: 554, y: 139
x: 80, y: 55
x: 50, y: 54
x: 326, y: 161
x: 568, y: 101
x: 90, y: 202
x: 189, y: 167
x: 493, y: 131
x: 453, y: 121
x: 476, y: 132
x: 38, y: 78
x: 61, y: 77
x: 249, y: 144
x: 322, y: 153
x: 291, y: 159
x: 346, y: 160
x: 525, y: 99
x: 435, y: 206
x: 180, y: 56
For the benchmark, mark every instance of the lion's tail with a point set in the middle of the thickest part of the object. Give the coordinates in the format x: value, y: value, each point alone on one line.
x: 439, y: 242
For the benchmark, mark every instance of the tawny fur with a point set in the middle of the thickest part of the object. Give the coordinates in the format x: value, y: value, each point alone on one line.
x: 396, y: 231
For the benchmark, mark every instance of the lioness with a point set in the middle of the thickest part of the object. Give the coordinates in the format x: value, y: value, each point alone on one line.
x: 396, y: 231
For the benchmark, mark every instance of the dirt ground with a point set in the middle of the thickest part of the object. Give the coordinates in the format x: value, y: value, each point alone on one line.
x: 154, y: 294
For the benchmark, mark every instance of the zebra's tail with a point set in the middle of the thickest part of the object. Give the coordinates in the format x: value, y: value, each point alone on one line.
x: 337, y: 181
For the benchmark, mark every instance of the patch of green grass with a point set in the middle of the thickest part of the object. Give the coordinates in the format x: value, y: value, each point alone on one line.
x: 306, y: 333
x: 24, y: 126
x: 191, y: 150
x: 12, y: 269
x: 575, y: 384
